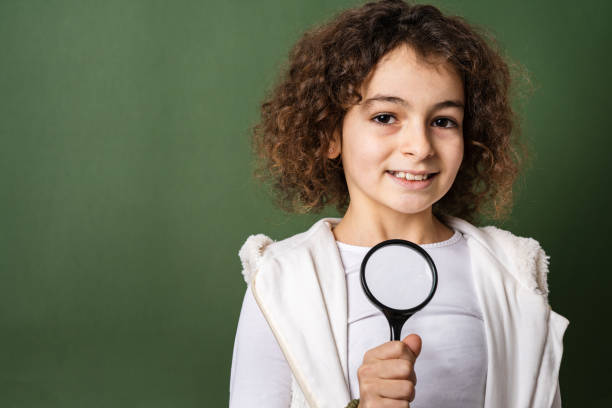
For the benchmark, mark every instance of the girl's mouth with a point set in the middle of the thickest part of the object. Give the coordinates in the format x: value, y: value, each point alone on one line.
x: 413, y: 183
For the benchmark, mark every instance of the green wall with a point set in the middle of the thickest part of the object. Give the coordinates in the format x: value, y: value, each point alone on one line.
x: 126, y: 188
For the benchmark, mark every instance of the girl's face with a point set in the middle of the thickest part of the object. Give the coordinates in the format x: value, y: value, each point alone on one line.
x: 410, y: 119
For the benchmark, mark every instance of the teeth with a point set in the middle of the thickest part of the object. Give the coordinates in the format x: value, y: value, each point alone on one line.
x: 408, y: 176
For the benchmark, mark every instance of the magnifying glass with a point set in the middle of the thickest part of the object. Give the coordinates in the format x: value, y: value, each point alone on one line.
x: 400, y: 278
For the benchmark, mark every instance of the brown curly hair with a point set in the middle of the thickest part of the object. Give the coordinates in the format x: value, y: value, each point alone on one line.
x: 326, y: 68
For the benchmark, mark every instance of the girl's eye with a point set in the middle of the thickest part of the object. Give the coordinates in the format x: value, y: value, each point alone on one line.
x: 441, y: 122
x: 445, y: 121
x: 385, y: 116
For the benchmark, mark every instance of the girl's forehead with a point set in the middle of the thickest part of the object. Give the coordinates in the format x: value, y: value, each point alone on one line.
x: 404, y: 71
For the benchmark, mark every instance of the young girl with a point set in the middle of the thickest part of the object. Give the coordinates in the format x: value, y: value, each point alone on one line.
x: 400, y: 116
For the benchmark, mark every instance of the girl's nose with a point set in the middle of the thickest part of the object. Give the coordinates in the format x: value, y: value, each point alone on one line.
x: 415, y: 142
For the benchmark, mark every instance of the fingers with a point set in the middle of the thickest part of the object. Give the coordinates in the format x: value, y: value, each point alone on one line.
x: 389, y: 392
x: 399, y: 369
x: 397, y: 389
x: 394, y: 350
x: 414, y: 342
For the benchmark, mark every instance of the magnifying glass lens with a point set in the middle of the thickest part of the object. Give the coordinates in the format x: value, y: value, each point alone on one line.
x: 398, y: 276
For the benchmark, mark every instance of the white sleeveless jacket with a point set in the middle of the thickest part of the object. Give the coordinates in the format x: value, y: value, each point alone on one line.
x: 300, y: 286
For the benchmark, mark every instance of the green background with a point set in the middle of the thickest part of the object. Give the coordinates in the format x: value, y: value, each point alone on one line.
x: 126, y: 189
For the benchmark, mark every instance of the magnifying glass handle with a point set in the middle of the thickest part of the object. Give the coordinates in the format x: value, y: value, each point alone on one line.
x: 396, y: 330
x: 396, y: 322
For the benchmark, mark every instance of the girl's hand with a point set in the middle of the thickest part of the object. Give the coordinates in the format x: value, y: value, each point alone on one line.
x: 386, y: 376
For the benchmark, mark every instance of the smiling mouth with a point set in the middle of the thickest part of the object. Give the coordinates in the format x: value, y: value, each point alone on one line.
x: 411, y: 177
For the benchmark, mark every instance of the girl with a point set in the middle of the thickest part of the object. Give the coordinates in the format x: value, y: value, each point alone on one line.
x: 399, y: 116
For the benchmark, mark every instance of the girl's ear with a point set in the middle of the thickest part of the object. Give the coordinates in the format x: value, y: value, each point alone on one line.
x: 334, y: 146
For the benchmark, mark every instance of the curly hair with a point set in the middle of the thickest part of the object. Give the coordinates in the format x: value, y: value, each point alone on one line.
x: 326, y: 68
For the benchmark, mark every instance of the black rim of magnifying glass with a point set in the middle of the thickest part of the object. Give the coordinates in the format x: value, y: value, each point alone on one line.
x: 423, y: 253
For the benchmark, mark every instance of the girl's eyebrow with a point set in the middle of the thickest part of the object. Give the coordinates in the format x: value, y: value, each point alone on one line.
x: 400, y: 101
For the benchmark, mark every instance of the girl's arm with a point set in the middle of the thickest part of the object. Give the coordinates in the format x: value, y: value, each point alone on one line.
x: 260, y: 375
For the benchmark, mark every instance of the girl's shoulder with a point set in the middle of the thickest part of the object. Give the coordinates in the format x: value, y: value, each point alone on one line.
x: 523, y: 257
x: 259, y: 247
x: 526, y: 254
x: 251, y: 254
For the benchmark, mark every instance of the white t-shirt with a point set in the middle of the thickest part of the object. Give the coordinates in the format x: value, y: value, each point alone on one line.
x: 451, y: 368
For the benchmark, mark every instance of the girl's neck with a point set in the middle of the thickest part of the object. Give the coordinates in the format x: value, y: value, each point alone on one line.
x: 421, y: 228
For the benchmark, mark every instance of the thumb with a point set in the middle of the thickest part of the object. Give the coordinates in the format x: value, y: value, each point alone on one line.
x: 414, y: 342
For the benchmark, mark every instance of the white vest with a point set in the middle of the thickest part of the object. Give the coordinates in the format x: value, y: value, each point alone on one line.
x: 300, y: 286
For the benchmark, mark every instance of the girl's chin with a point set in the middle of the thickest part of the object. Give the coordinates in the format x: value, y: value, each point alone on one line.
x: 413, y: 209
